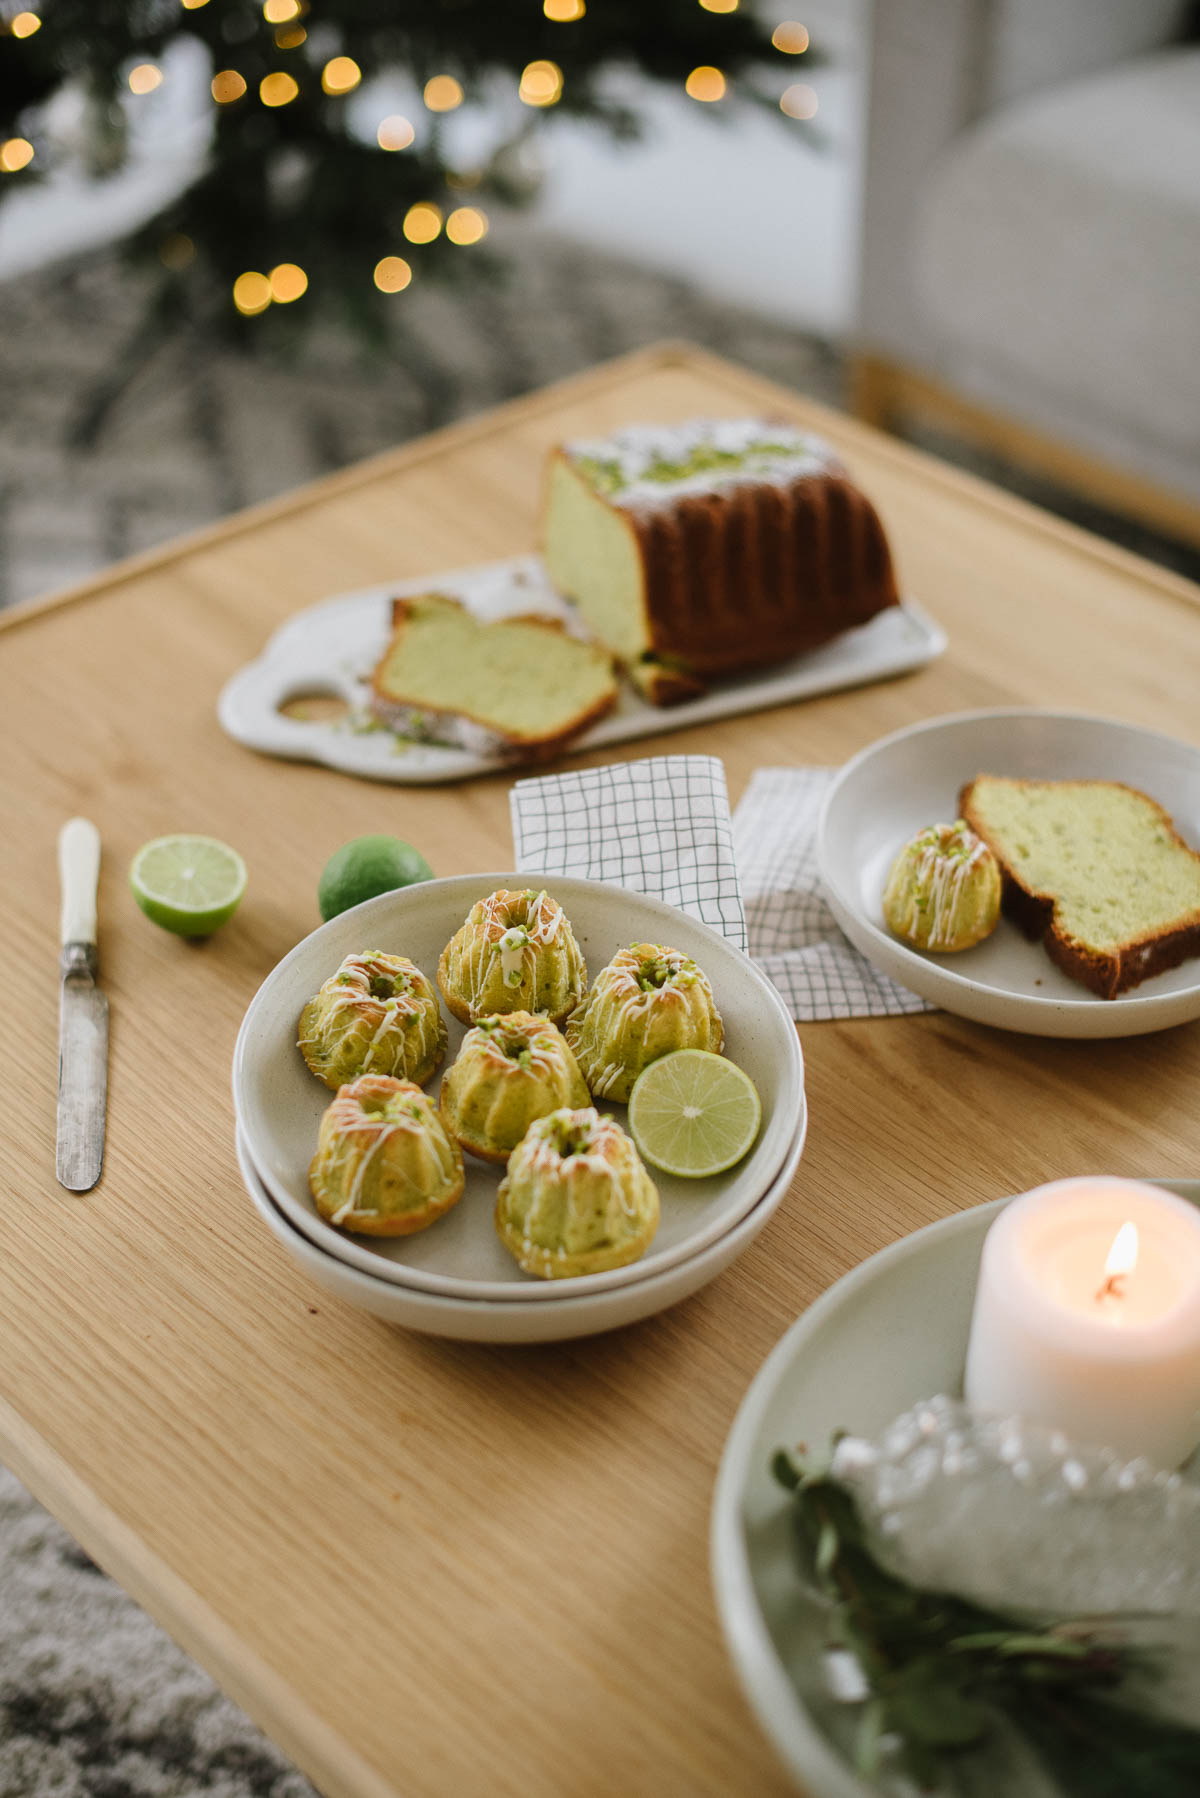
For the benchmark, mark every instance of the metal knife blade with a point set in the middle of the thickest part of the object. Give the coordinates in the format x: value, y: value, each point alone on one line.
x: 82, y: 1071
x: 82, y: 1014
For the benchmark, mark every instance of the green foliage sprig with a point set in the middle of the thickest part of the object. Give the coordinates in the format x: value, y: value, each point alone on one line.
x: 943, y: 1671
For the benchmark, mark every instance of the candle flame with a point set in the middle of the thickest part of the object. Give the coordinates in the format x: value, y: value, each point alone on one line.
x: 1122, y: 1257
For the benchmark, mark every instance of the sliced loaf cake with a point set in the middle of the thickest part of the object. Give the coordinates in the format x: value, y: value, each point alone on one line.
x: 1096, y: 870
x: 519, y: 687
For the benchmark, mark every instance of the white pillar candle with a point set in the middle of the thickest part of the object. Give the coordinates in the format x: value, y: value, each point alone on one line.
x: 1087, y: 1316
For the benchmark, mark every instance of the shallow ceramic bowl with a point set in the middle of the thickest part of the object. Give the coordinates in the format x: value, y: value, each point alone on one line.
x: 889, y: 1333
x: 279, y: 1103
x: 908, y: 780
x: 490, y: 1320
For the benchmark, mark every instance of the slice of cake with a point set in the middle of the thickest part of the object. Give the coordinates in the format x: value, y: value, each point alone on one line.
x: 519, y: 687
x: 1094, y: 868
x: 714, y: 545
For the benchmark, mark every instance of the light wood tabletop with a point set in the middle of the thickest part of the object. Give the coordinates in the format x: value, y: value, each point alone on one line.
x: 428, y: 1568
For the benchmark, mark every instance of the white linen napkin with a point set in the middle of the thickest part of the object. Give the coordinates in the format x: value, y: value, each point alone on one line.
x: 793, y: 935
x: 660, y: 826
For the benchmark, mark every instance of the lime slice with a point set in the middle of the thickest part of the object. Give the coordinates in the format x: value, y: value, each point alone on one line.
x: 191, y: 885
x: 692, y: 1113
x: 365, y: 868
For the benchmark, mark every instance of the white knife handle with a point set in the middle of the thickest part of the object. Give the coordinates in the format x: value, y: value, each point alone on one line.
x: 79, y: 876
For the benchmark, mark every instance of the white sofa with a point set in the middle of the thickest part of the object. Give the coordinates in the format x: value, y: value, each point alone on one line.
x: 1031, y: 239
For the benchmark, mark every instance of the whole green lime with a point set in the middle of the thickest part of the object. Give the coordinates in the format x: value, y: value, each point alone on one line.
x: 366, y: 867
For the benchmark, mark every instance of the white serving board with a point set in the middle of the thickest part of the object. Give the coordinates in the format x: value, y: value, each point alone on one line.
x: 329, y: 649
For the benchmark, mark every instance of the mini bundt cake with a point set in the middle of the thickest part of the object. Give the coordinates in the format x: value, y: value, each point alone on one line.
x: 648, y: 1001
x: 576, y: 1198
x: 943, y: 892
x: 510, y: 1070
x: 384, y: 1165
x: 516, y: 952
x: 377, y: 1015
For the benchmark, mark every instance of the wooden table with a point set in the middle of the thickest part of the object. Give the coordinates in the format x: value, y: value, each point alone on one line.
x: 428, y: 1568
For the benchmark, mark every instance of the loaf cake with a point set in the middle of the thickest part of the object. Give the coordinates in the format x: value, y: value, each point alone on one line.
x: 1096, y: 870
x: 702, y: 548
x: 521, y: 688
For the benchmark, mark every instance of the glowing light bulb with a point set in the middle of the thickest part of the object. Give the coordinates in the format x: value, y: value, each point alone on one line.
x: 227, y: 85
x: 15, y: 153
x: 251, y: 293
x: 392, y: 274
x: 287, y: 281
x: 564, y: 12
x: 798, y: 101
x: 277, y: 89
x: 791, y: 37
x: 466, y: 224
x: 340, y: 75
x: 442, y: 93
x: 145, y: 78
x: 422, y: 222
x: 25, y: 24
x: 541, y: 84
x: 705, y: 83
x: 395, y: 132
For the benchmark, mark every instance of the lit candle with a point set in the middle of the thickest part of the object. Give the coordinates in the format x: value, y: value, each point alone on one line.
x: 1087, y: 1316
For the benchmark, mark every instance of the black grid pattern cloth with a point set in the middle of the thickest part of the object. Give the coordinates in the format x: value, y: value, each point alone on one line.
x: 793, y: 935
x: 659, y: 826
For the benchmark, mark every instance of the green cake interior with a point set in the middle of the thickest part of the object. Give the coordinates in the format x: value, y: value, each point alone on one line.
x: 1104, y: 852
x: 522, y: 679
x: 591, y: 555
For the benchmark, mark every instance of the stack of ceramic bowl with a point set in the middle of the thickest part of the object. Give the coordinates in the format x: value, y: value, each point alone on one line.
x: 456, y: 1279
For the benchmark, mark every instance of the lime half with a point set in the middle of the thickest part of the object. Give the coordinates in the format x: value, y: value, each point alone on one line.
x: 365, y: 868
x: 191, y: 885
x: 693, y: 1113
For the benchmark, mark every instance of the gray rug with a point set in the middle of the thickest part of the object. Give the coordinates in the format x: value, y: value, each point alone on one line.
x: 95, y: 1702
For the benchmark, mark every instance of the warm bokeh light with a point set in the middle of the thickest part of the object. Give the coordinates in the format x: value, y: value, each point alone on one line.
x: 791, y: 37
x: 340, y: 74
x: 564, y: 12
x: 290, y: 37
x: 705, y: 83
x: 25, y: 24
x: 277, y: 89
x: 192, y: 5
x: 227, y: 85
x: 251, y: 293
x: 466, y: 224
x: 395, y: 132
x: 798, y: 101
x: 392, y: 274
x: 145, y: 78
x: 177, y: 251
x: 287, y: 281
x: 541, y: 83
x: 719, y: 5
x: 15, y: 153
x: 422, y: 222
x: 443, y: 93
x: 278, y: 12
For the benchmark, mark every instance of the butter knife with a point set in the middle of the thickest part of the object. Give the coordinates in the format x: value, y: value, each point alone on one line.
x: 82, y: 1013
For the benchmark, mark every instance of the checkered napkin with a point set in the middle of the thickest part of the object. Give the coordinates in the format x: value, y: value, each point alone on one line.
x: 793, y: 935
x: 660, y: 826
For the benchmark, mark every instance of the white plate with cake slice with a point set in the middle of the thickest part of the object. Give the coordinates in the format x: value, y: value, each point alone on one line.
x: 912, y: 779
x: 308, y: 696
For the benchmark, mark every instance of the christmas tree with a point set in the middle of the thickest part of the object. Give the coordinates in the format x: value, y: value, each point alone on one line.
x: 318, y: 184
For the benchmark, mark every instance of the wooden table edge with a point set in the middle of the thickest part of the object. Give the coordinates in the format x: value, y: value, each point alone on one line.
x: 667, y: 353
x: 336, y: 1770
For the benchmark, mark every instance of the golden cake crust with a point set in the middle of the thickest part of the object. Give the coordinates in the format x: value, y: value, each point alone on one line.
x: 376, y: 1014
x: 510, y: 1070
x: 576, y: 1198
x: 385, y: 1164
x: 471, y: 968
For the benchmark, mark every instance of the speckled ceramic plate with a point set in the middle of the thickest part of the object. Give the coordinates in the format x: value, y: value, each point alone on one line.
x: 908, y: 780
x: 888, y: 1334
x: 327, y: 651
x: 279, y: 1103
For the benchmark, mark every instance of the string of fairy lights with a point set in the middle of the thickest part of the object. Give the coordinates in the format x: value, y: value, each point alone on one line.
x: 540, y: 85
